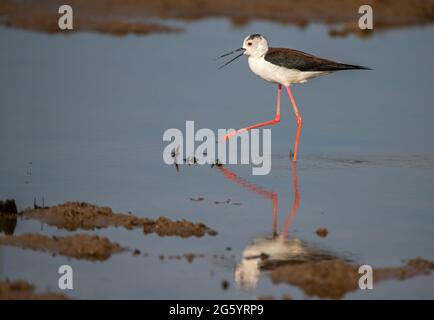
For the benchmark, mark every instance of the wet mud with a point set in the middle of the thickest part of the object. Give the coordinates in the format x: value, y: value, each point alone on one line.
x: 333, y: 279
x: 80, y: 215
x: 22, y: 290
x: 182, y: 228
x: 322, y: 232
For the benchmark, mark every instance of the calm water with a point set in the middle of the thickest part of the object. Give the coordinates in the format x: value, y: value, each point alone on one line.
x: 83, y: 116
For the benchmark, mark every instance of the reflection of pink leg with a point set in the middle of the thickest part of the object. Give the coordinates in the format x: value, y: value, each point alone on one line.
x: 258, y: 190
x: 262, y: 124
x: 275, y: 205
x: 299, y: 121
x: 295, y: 205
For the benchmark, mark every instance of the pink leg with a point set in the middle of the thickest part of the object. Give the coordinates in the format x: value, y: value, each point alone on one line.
x: 262, y: 124
x: 299, y: 121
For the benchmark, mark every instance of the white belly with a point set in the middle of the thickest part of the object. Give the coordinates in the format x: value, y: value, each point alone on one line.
x: 273, y: 73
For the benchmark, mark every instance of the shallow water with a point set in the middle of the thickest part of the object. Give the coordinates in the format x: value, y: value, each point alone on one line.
x: 83, y: 116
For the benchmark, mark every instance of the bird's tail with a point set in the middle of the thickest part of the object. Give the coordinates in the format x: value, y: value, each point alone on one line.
x: 342, y: 66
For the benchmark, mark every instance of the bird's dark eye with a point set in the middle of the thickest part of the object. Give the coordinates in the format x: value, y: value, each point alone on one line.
x: 249, y: 43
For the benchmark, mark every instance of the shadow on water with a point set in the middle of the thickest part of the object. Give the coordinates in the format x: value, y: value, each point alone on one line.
x: 278, y: 249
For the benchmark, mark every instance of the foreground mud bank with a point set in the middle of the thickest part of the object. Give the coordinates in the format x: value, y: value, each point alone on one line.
x: 80, y: 215
x: 22, y: 290
x: 314, y: 270
x: 73, y: 216
x: 130, y: 16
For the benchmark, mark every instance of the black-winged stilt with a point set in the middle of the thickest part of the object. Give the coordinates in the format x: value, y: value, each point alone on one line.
x: 284, y: 67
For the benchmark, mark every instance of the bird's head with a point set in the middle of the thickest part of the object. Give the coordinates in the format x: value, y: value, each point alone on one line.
x: 255, y: 45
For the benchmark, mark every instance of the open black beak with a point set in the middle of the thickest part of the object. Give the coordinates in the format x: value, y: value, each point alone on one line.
x: 229, y: 53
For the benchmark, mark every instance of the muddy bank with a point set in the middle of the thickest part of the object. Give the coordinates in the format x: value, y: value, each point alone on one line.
x: 335, y: 278
x: 130, y: 16
x: 80, y: 215
x: 22, y: 290
x: 80, y: 246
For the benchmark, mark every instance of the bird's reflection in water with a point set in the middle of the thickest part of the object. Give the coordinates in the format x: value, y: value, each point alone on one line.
x: 266, y: 253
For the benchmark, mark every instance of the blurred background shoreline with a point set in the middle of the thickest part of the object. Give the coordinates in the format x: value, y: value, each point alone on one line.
x: 138, y: 16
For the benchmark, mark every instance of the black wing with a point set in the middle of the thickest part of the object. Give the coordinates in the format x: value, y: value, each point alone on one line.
x: 293, y: 59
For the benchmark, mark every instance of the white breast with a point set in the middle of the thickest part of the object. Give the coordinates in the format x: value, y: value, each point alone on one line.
x: 273, y: 73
